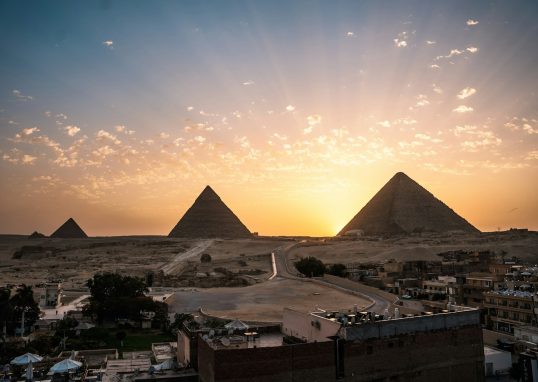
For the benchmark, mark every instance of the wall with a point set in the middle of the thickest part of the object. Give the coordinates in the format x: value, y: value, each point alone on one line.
x: 183, y: 348
x: 501, y: 360
x: 442, y: 355
x: 399, y: 326
x: 300, y: 325
x: 313, y: 362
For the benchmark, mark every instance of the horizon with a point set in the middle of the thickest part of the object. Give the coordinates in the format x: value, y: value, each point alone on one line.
x: 119, y: 113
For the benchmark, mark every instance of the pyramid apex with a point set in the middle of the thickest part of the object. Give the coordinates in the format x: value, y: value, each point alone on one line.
x: 401, y: 175
x: 208, y: 193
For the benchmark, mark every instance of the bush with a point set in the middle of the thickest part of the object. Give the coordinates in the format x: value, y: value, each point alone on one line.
x: 337, y: 270
x: 205, y: 258
x: 310, y: 267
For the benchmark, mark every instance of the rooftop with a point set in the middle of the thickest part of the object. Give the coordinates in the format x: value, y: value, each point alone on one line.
x: 511, y: 293
x: 244, y: 340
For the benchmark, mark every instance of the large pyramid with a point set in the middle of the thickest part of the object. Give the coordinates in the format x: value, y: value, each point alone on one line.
x: 403, y: 206
x: 209, y: 217
x: 69, y: 230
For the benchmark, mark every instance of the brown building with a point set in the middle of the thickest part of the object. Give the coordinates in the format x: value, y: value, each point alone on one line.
x: 446, y: 346
x: 509, y: 308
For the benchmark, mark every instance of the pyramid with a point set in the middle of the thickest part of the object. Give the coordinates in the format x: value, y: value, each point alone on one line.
x: 209, y: 217
x: 69, y: 230
x: 36, y: 235
x: 403, y: 206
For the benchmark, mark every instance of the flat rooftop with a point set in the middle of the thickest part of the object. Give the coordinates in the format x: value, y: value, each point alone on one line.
x: 249, y: 339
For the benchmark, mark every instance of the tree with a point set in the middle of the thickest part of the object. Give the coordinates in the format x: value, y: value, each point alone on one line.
x: 5, y: 310
x: 337, y: 270
x: 23, y: 303
x: 113, y: 295
x: 310, y: 266
x: 179, y: 319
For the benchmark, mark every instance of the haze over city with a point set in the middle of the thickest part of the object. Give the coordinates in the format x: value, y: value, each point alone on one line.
x: 296, y: 113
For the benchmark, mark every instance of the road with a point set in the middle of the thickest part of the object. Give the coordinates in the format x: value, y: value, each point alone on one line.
x: 176, y: 263
x: 381, y: 301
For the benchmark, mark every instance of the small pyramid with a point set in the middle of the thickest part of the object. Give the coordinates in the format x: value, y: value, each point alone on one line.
x: 69, y: 230
x: 36, y: 235
x: 403, y: 206
x: 209, y: 217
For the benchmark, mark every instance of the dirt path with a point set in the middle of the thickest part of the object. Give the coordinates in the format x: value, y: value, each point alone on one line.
x: 176, y: 263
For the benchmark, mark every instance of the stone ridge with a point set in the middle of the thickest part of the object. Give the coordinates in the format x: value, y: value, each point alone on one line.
x: 209, y: 217
x: 403, y: 206
x: 69, y: 230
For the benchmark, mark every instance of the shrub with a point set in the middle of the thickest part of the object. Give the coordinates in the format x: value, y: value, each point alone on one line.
x: 310, y: 266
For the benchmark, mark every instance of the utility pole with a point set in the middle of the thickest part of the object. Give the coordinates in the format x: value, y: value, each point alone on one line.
x: 22, y: 322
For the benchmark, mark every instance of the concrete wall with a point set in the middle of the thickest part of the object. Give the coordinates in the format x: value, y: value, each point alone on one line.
x: 388, y: 328
x: 500, y: 360
x: 307, y: 327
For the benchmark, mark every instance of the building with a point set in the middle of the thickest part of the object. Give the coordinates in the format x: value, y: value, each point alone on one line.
x: 353, y: 346
x: 496, y: 361
x: 49, y: 295
x: 509, y: 308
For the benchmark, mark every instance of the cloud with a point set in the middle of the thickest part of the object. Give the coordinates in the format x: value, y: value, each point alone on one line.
x: 71, y: 130
x: 430, y: 42
x: 103, y: 135
x: 199, y: 139
x: 400, y: 43
x: 466, y: 129
x: 30, y: 131
x: 485, y: 139
x: 463, y: 109
x: 384, y: 124
x: 313, y: 120
x: 422, y: 100
x: 472, y: 22
x: 452, y: 53
x: 246, y: 83
x: 532, y: 155
x: 123, y: 129
x: 435, y: 66
x: 467, y: 92
x: 426, y: 137
x: 437, y: 89
x: 109, y: 44
x: 103, y: 152
x: 16, y: 157
x: 28, y: 159
x: 190, y: 108
x: 401, y: 40
x: 472, y: 49
x: 164, y: 135
x: 350, y: 34
x: 529, y: 129
x: 290, y: 108
x: 21, y: 97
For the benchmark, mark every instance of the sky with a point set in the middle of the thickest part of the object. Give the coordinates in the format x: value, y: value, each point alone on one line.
x: 119, y: 113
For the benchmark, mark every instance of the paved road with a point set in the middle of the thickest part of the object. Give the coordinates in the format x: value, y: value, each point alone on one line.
x: 381, y: 301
